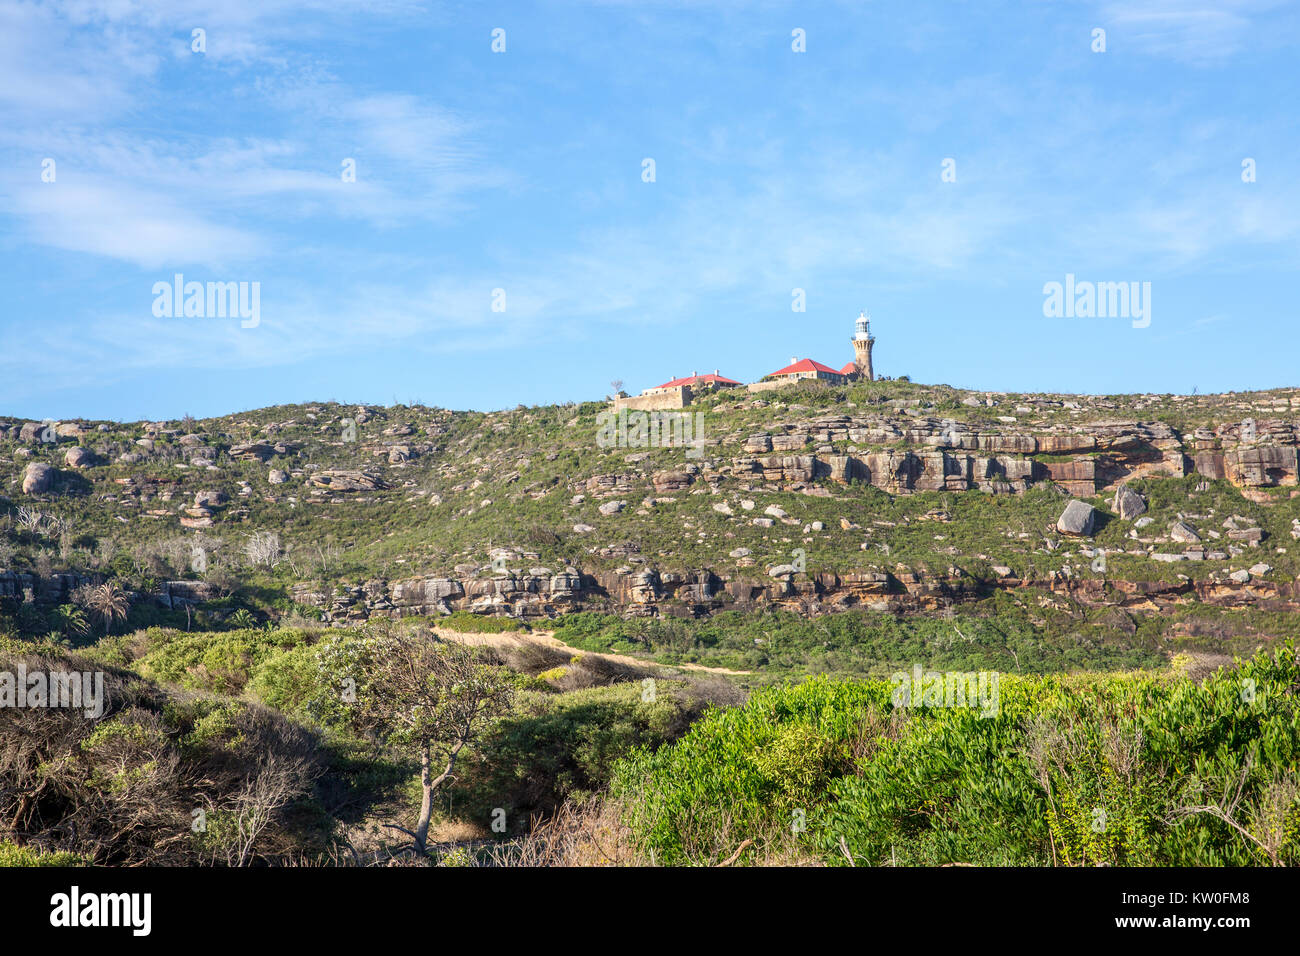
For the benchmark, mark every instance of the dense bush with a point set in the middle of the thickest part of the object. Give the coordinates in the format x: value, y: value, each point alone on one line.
x: 1124, y: 770
x: 997, y: 634
x: 745, y: 769
x: 12, y: 855
x: 466, y: 622
x: 123, y: 786
x: 565, y: 746
x: 223, y: 662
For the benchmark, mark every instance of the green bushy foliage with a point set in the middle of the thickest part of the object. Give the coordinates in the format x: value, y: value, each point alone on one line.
x: 464, y: 622
x: 743, y: 769
x: 1141, y: 770
x: 12, y: 855
x: 222, y: 662
x: 560, y: 746
x: 996, y: 634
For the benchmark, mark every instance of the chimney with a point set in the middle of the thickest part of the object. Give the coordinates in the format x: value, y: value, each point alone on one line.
x: 793, y: 360
x: 695, y: 374
x: 715, y: 371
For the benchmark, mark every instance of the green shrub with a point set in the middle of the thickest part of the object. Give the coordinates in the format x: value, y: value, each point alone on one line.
x: 1070, y: 769
x: 223, y: 662
x: 744, y: 769
x: 11, y: 855
x: 465, y: 622
x: 559, y: 746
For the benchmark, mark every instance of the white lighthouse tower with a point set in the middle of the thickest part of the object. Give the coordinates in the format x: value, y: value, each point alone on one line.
x: 862, y: 343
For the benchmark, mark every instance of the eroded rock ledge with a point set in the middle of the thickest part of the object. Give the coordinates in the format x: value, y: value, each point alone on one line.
x: 648, y: 593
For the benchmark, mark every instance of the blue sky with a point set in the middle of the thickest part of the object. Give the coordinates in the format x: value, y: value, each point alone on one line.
x: 522, y: 171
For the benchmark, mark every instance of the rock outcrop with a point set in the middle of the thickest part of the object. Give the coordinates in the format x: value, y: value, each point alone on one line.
x: 1079, y: 518
x: 1128, y: 504
x: 651, y: 592
x: 38, y: 478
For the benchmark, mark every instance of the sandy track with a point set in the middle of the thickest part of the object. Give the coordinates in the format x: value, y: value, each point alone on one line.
x: 546, y: 639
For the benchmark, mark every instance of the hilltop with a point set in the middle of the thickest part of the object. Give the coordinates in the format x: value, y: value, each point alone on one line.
x: 884, y: 496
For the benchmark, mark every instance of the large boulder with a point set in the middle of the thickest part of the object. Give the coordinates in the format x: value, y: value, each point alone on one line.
x: 669, y: 481
x: 1078, y: 518
x: 1182, y: 531
x: 37, y: 478
x: 78, y: 457
x: 347, y: 481
x: 253, y: 451
x: 35, y: 432
x: 1128, y: 503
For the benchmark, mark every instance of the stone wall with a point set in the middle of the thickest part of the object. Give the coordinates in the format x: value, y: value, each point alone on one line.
x: 678, y: 397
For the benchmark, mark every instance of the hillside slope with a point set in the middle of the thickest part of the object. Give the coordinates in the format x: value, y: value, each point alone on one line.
x: 886, y: 496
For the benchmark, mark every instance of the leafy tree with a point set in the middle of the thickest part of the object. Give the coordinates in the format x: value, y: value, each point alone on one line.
x: 415, y: 693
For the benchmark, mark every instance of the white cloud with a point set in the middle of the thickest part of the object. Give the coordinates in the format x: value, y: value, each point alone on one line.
x: 146, y: 228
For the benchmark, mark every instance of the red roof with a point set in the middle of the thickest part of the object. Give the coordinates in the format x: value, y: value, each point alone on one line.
x: 807, y: 365
x: 849, y: 369
x: 695, y: 379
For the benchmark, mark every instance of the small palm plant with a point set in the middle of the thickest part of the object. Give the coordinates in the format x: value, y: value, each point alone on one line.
x: 242, y: 619
x: 70, y: 620
x: 109, y: 603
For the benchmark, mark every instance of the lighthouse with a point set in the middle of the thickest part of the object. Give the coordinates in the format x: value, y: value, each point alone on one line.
x: 862, y: 343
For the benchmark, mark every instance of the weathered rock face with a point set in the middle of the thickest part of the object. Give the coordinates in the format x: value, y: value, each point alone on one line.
x: 54, y: 588
x: 178, y: 594
x: 254, y: 451
x: 1259, y: 467
x: 38, y: 478
x: 668, y: 481
x: 1128, y: 504
x: 950, y: 456
x: 648, y: 593
x: 347, y: 481
x: 32, y: 432
x: 1079, y: 518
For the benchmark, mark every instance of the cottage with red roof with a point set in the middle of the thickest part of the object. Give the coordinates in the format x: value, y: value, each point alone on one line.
x: 807, y: 368
x: 694, y: 381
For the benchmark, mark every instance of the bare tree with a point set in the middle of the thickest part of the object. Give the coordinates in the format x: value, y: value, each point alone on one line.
x: 1265, y: 822
x: 29, y: 519
x: 278, y: 780
x: 263, y: 548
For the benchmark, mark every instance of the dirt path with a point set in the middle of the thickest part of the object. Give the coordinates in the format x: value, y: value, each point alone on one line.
x: 546, y: 639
